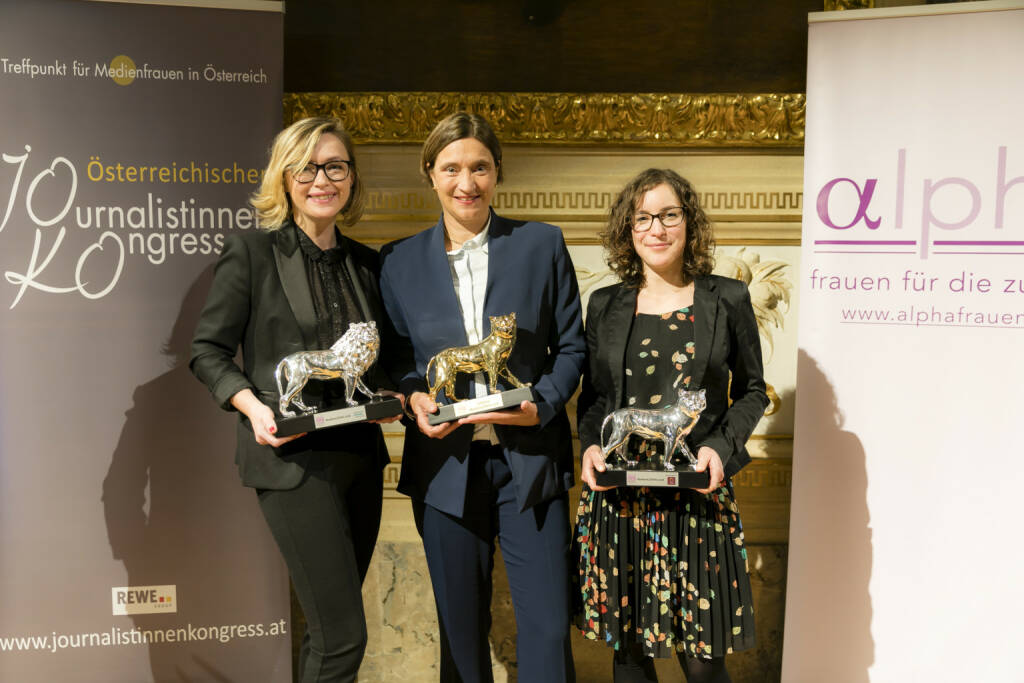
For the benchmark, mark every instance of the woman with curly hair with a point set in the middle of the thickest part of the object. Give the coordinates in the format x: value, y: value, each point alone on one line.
x: 663, y: 571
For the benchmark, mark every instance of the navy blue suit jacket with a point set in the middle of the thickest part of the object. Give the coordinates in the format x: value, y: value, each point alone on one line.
x: 529, y: 272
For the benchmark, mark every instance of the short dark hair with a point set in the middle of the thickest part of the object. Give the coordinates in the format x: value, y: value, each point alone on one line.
x: 617, y: 237
x: 459, y: 126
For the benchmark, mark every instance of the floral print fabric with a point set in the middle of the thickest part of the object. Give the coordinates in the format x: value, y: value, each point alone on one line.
x: 666, y: 568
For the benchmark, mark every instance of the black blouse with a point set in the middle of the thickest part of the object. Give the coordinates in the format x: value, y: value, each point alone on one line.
x: 331, y: 287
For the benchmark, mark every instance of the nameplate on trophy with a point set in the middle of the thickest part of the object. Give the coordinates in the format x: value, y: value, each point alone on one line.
x: 682, y: 479
x: 484, y: 404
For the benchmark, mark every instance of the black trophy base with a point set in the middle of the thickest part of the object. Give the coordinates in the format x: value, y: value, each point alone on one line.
x: 679, y: 479
x: 335, y: 417
x: 484, y: 404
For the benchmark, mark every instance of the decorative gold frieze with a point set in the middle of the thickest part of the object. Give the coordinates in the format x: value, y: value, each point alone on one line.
x: 750, y: 201
x: 766, y: 473
x: 582, y: 206
x: 682, y: 120
x: 596, y: 203
x: 831, y: 5
x: 391, y: 473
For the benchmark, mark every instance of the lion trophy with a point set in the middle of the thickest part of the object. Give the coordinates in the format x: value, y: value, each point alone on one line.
x: 669, y: 425
x: 348, y: 358
x: 490, y: 356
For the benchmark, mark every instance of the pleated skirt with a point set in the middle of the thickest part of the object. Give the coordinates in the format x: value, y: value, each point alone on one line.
x: 664, y: 568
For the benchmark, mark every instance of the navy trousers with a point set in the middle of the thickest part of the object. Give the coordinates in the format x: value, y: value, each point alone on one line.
x: 460, y: 557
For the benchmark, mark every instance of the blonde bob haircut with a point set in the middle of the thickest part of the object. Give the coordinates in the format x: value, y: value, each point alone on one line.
x: 290, y: 152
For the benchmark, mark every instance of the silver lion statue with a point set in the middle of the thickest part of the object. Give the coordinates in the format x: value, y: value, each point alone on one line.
x: 348, y: 358
x: 669, y: 425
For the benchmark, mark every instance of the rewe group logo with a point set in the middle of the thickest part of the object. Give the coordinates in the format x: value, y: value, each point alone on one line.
x: 875, y: 221
x: 143, y: 599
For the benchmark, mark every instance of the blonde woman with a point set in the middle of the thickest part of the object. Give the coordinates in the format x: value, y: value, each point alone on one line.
x: 293, y: 285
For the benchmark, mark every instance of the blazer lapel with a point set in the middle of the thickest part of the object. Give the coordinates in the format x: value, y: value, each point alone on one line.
x: 705, y: 317
x: 617, y: 324
x: 292, y: 271
x: 359, y: 286
x: 497, y: 253
x: 437, y: 270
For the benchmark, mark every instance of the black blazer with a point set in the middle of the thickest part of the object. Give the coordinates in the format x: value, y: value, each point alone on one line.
x: 260, y: 300
x: 726, y: 342
x: 529, y: 272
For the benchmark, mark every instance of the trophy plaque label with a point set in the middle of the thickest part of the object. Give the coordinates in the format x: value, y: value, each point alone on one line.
x: 682, y: 479
x: 484, y: 404
x: 651, y: 478
x: 492, y: 402
x: 339, y: 417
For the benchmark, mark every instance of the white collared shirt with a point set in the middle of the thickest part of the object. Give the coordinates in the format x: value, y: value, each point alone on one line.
x: 468, y: 265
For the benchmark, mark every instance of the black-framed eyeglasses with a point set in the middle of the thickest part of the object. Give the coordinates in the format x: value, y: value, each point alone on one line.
x: 334, y: 170
x: 670, y: 217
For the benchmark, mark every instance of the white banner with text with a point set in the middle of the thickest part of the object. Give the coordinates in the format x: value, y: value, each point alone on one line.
x: 903, y: 564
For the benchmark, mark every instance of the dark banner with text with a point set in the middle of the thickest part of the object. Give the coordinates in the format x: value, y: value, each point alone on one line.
x: 132, y: 136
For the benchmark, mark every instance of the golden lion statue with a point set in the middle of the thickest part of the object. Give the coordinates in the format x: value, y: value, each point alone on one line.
x: 490, y: 356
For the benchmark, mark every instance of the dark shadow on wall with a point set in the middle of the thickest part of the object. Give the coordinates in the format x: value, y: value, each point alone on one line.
x: 764, y: 512
x: 162, y: 499
x: 828, y: 608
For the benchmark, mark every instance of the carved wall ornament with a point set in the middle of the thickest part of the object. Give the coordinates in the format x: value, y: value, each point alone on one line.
x: 768, y: 287
x: 832, y: 5
x: 767, y: 284
x: 666, y: 119
x: 587, y: 279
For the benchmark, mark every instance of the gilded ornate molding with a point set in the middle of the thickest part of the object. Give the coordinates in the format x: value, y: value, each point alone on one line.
x: 831, y: 5
x: 675, y: 120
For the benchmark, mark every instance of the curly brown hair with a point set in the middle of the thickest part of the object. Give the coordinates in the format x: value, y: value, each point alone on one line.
x: 617, y: 237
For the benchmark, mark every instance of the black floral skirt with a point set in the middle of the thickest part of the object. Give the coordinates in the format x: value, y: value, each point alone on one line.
x: 664, y: 568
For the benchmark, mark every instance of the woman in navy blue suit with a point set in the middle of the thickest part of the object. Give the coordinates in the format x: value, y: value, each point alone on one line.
x: 663, y: 571
x: 295, y: 285
x: 501, y: 474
